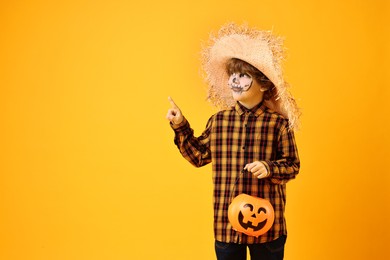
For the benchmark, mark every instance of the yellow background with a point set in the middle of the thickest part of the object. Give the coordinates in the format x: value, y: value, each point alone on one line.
x: 88, y: 168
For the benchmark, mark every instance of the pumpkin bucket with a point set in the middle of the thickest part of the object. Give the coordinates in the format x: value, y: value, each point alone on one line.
x: 251, y: 215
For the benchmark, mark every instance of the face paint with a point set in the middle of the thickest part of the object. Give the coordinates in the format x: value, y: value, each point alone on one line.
x: 240, y: 82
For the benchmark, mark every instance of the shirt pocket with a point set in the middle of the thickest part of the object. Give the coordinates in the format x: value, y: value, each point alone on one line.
x: 262, y: 146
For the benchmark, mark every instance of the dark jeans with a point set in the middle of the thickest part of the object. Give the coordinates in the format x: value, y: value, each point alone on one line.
x: 273, y: 250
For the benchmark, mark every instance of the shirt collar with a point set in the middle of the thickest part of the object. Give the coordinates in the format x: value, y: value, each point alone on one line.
x: 256, y: 110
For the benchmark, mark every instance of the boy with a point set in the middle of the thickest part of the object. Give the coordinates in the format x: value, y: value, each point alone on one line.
x: 253, y: 133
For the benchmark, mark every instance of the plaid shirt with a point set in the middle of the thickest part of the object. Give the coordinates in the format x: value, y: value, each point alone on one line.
x: 233, y: 138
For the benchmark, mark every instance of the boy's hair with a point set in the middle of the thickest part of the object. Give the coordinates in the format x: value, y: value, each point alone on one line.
x: 235, y: 65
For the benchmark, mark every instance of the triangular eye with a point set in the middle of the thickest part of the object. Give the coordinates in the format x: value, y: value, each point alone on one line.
x: 261, y: 210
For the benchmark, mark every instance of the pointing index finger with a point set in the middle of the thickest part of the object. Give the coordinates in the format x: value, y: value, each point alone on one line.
x: 173, y: 104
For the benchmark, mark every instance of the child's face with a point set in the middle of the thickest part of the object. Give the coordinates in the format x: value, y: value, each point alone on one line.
x: 240, y: 82
x: 244, y: 88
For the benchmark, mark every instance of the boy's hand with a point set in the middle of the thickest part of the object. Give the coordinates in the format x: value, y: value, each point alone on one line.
x: 174, y: 113
x: 258, y: 169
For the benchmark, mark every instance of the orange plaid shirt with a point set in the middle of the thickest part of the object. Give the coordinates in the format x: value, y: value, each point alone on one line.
x: 233, y: 138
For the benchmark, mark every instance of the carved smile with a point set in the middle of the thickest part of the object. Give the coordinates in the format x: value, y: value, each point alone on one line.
x: 249, y: 223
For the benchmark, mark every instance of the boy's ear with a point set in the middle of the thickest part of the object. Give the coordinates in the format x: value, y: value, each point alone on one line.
x: 265, y: 85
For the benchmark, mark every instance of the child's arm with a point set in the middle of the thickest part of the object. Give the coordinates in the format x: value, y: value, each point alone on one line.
x: 287, y: 164
x: 285, y: 167
x: 194, y: 149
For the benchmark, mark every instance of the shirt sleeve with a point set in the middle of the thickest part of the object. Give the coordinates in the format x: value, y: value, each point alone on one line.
x: 287, y: 164
x: 196, y: 150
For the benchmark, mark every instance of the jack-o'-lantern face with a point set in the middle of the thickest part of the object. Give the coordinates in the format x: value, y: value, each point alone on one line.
x: 251, y: 215
x: 250, y: 218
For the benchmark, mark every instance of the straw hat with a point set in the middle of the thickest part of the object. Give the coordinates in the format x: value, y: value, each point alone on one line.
x: 262, y: 50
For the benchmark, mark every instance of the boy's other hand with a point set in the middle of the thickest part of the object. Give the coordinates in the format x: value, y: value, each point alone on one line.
x: 174, y: 113
x: 258, y: 169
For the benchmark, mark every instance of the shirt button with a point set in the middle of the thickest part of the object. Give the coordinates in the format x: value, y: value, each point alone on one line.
x: 243, y: 148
